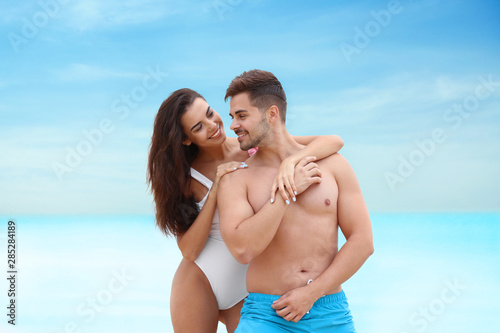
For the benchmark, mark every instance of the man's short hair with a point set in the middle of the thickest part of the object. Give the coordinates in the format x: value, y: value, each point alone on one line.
x: 264, y: 90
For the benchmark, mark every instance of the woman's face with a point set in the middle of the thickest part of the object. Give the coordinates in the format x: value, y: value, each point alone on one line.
x: 202, y: 125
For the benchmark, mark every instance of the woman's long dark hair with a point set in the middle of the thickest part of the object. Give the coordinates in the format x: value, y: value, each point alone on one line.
x: 169, y: 165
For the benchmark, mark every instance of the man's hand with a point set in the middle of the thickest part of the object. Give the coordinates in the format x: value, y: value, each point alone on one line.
x: 293, y: 305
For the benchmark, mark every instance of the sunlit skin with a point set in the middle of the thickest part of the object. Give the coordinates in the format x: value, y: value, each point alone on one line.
x: 241, y: 119
x: 290, y: 243
x: 291, y: 270
x: 191, y: 290
x: 218, y: 156
x: 203, y: 125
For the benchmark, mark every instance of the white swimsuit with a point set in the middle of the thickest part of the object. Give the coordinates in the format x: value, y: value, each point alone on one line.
x: 226, y: 275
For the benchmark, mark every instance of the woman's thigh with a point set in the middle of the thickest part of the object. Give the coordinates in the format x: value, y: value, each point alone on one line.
x: 231, y: 317
x: 193, y: 306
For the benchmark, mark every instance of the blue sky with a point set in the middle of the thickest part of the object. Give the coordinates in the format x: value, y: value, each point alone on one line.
x: 412, y: 87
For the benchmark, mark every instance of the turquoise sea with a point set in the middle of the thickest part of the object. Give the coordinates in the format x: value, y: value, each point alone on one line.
x: 429, y: 273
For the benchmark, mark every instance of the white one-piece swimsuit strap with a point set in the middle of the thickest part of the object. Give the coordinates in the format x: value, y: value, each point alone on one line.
x: 204, y: 181
x: 214, y: 230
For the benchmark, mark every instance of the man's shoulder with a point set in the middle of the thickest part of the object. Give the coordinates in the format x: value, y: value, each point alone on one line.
x: 335, y: 160
x: 337, y: 164
x: 236, y: 177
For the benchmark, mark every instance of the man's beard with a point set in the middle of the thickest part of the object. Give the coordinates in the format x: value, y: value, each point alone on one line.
x: 262, y: 130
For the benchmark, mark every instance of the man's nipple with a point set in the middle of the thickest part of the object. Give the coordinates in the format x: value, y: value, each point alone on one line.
x: 327, y: 202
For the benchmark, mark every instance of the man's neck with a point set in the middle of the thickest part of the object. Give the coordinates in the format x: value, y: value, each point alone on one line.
x: 277, y: 146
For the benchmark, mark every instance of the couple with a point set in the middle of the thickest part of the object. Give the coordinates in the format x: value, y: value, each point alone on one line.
x: 236, y: 234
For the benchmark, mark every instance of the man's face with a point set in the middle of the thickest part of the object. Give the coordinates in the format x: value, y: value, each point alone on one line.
x: 248, y: 123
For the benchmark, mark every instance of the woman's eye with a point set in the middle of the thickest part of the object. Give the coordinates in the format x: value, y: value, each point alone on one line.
x: 211, y: 114
x: 198, y: 129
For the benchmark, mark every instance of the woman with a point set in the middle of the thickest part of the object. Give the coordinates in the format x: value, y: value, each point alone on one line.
x: 188, y: 143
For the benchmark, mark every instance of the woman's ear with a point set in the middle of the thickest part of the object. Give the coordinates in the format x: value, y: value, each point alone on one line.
x: 186, y: 142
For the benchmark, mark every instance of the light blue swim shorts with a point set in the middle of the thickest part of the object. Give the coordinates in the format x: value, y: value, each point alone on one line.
x: 330, y: 314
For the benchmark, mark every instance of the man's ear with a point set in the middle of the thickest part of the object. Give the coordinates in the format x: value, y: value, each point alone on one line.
x: 273, y: 113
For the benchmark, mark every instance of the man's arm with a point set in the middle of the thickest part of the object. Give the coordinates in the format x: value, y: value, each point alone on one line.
x: 354, y: 221
x: 246, y: 234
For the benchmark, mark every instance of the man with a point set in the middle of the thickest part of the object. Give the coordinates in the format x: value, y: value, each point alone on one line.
x: 296, y: 270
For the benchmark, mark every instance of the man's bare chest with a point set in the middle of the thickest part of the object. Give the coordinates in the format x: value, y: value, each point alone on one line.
x: 317, y: 198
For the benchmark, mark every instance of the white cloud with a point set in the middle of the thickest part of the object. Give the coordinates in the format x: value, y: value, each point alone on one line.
x: 77, y: 71
x: 93, y: 14
x: 414, y: 101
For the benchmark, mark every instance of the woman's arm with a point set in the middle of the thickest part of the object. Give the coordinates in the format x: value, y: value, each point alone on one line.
x: 318, y: 146
x: 191, y: 243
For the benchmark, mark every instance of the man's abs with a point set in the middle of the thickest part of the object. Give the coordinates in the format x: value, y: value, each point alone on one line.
x: 304, y: 247
x: 306, y: 241
x: 283, y: 267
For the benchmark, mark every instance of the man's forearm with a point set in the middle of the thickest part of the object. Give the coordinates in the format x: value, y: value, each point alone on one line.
x: 252, y: 236
x: 348, y: 261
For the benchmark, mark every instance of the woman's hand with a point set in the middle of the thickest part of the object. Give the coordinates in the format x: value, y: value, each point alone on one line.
x: 284, y: 182
x: 290, y: 174
x: 226, y: 168
x: 306, y: 173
